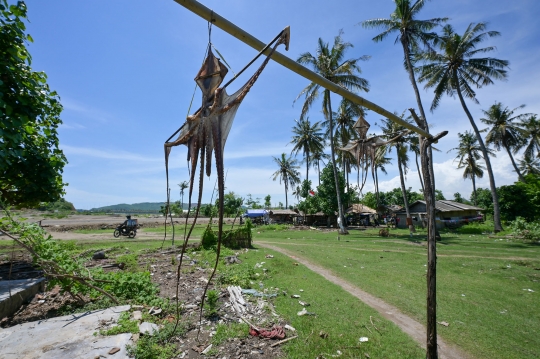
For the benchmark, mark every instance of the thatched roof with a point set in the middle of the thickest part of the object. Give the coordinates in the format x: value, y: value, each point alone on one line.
x: 360, y: 208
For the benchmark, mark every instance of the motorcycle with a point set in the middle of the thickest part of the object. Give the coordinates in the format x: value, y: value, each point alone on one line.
x: 130, y: 232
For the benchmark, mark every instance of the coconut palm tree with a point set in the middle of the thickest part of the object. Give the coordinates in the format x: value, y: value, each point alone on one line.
x: 308, y: 138
x: 183, y: 186
x: 469, y: 155
x: 391, y: 129
x: 345, y: 117
x: 380, y: 162
x: 455, y: 70
x: 413, y: 34
x: 316, y: 159
x: 529, y: 165
x: 531, y: 131
x: 504, y: 131
x: 329, y: 63
x: 287, y: 173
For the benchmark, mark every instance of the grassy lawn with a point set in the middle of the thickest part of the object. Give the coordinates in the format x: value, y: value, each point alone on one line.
x: 338, y: 314
x: 482, y: 283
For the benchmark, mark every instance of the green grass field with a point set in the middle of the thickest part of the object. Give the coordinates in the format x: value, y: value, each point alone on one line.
x: 487, y: 288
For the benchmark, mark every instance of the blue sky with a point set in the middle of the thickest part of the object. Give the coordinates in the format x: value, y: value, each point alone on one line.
x: 124, y: 71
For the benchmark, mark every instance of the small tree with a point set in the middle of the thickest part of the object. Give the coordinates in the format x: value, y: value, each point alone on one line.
x: 326, y: 192
x: 31, y: 162
x: 267, y: 201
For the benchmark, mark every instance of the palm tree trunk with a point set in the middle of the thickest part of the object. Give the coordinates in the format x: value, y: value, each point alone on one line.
x: 420, y: 107
x: 496, y: 210
x: 319, y: 170
x: 474, y: 189
x: 342, y: 229
x: 377, y: 187
x: 307, y: 165
x: 403, y: 190
x: 286, y: 203
x: 419, y: 172
x: 521, y: 178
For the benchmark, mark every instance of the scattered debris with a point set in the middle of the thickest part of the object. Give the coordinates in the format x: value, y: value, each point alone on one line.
x: 256, y: 293
x: 269, y: 256
x: 444, y: 323
x: 283, y: 341
x: 288, y: 327
x: 529, y: 290
x: 304, y: 304
x: 363, y: 339
x: 114, y: 350
x: 148, y: 328
x: 155, y: 311
x: 232, y: 260
x: 207, y: 349
x: 137, y: 315
x: 323, y: 334
x: 295, y: 296
x: 304, y: 312
x: 276, y: 332
x: 99, y: 255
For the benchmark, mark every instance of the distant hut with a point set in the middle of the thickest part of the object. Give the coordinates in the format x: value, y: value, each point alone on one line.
x: 359, y: 214
x: 282, y: 216
x: 447, y: 214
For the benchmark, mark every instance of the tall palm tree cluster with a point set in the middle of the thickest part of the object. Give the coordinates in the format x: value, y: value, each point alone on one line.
x: 447, y: 63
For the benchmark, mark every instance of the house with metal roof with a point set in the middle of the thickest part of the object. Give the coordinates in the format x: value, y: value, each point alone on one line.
x: 447, y: 214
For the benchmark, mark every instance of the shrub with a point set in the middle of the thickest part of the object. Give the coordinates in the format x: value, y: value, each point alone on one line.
x: 211, y: 303
x: 239, y: 275
x: 529, y: 231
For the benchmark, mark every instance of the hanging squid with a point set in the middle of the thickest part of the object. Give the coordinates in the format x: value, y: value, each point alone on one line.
x: 364, y: 150
x: 207, y: 129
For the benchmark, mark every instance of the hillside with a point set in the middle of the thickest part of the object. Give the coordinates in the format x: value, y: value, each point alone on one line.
x: 145, y: 207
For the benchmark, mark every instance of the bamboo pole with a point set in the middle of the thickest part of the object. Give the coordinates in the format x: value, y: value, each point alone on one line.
x: 281, y: 59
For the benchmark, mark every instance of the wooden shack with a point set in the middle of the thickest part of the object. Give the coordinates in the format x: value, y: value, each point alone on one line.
x: 447, y: 214
x: 361, y: 215
x: 282, y: 216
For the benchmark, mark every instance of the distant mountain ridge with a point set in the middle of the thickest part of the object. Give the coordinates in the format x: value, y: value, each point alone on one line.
x: 151, y: 207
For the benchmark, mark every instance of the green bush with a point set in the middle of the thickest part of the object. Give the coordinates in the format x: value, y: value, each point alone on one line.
x: 476, y: 228
x: 125, y: 325
x: 529, y: 231
x: 211, y: 303
x: 209, y: 238
x: 136, y: 286
x: 238, y: 275
x: 157, y: 346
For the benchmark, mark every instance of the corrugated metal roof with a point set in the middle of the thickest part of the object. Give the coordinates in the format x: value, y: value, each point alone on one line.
x: 448, y: 206
x: 282, y: 211
x: 461, y: 205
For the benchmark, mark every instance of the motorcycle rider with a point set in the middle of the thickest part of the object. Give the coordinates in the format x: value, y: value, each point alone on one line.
x: 127, y: 223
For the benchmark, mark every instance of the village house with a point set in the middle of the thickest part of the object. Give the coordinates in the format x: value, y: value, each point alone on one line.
x: 447, y: 214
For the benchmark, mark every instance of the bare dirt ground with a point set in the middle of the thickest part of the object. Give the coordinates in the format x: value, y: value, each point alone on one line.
x: 410, y: 326
x: 192, y: 282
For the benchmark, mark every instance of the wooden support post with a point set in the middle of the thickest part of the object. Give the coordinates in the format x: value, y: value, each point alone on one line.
x: 258, y: 45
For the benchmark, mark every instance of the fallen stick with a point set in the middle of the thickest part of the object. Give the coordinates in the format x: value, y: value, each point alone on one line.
x: 283, y: 341
x: 374, y: 325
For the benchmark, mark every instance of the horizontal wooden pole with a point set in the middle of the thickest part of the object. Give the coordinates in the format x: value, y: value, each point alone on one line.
x: 281, y: 59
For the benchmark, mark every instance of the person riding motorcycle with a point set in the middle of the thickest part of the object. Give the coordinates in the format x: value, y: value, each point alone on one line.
x: 128, y: 228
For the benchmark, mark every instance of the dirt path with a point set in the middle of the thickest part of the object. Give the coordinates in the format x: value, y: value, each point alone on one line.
x: 410, y: 326
x: 511, y: 258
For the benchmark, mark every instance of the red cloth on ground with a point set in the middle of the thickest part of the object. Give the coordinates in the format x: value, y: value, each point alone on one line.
x: 276, y: 332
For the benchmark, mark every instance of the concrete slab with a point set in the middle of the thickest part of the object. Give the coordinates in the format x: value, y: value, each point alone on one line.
x: 13, y: 293
x: 67, y: 337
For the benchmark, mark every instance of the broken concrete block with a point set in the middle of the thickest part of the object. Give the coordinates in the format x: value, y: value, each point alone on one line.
x: 148, y: 328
